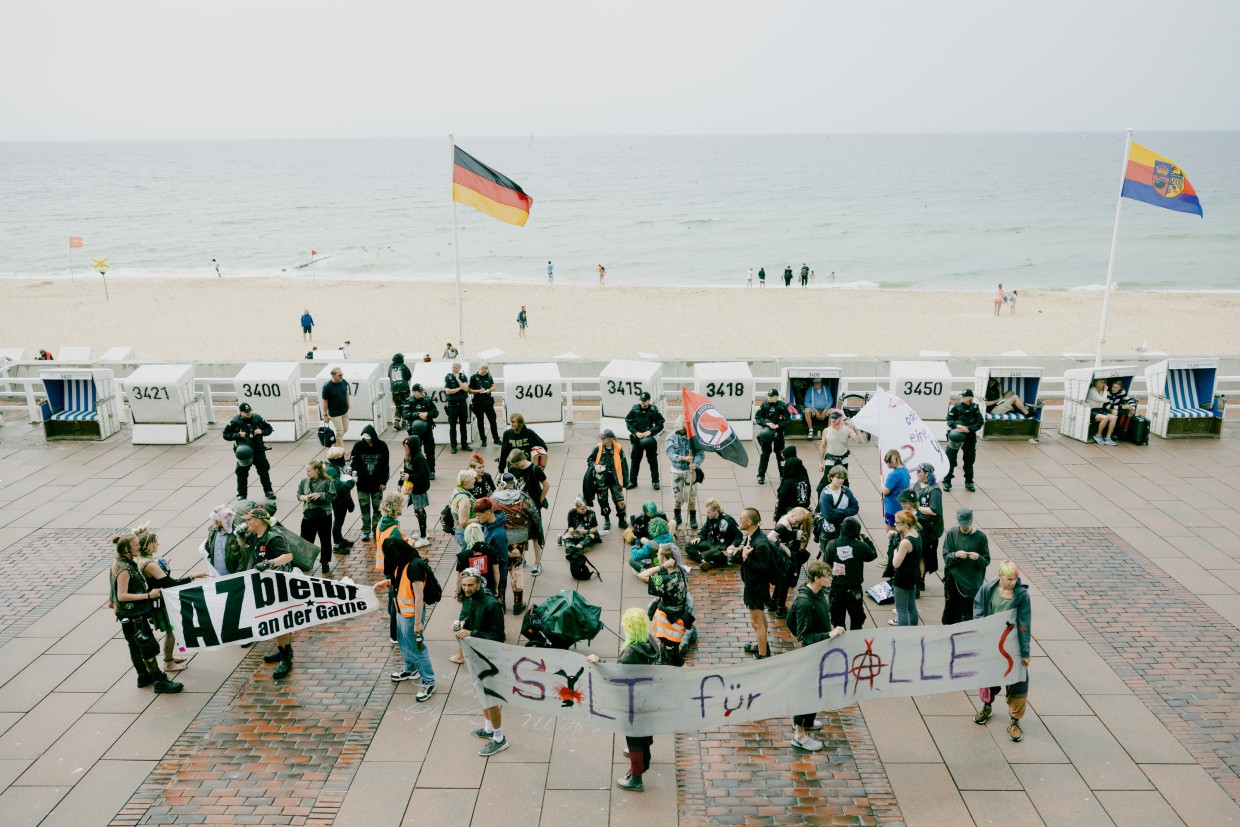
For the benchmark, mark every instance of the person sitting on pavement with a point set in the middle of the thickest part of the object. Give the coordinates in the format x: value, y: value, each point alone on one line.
x: 719, y: 541
x: 639, y: 526
x: 582, y: 528
x: 645, y: 549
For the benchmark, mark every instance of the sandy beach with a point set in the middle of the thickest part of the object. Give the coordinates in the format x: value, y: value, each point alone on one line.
x: 257, y: 318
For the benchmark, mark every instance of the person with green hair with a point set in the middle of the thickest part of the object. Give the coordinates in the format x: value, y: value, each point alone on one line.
x: 1006, y: 593
x: 645, y: 549
x: 639, y: 649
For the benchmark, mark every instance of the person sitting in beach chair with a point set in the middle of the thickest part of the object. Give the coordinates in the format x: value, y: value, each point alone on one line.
x: 1100, y: 411
x: 816, y: 405
x: 1124, y: 406
x: 999, y: 401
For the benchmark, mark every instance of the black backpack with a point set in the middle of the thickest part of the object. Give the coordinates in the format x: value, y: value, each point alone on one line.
x: 581, y: 568
x: 432, y: 592
x: 447, y: 520
x: 327, y: 435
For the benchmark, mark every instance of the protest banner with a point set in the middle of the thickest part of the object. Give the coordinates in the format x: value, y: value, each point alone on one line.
x: 898, y: 427
x: 831, y: 674
x: 254, y: 605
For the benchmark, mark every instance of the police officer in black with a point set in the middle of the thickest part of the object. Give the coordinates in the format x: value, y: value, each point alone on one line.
x: 964, y: 420
x: 420, y: 413
x: 399, y: 376
x: 772, y: 419
x: 483, y: 403
x: 456, y: 389
x: 247, y: 430
x: 645, y: 423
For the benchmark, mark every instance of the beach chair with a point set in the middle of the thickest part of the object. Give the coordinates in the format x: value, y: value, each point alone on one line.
x: 1184, y: 402
x: 74, y: 354
x: 118, y: 354
x: 536, y: 391
x: 273, y: 390
x: 1078, y: 422
x: 164, y: 407
x: 621, y: 382
x: 730, y: 387
x: 430, y: 376
x: 1025, y: 383
x: 81, y: 404
x: 796, y: 382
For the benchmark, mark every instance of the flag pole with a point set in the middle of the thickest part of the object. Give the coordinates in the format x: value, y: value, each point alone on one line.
x: 456, y: 251
x: 1106, y: 296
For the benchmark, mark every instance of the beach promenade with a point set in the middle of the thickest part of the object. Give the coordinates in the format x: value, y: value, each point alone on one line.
x: 1132, y: 555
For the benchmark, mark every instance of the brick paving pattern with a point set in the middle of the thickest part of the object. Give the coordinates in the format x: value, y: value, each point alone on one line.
x: 262, y: 752
x: 750, y: 774
x: 1172, y: 650
x: 49, y: 564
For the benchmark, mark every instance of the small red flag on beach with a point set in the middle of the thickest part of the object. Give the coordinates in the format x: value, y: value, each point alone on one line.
x: 75, y: 241
x: 709, y: 430
x: 314, y: 252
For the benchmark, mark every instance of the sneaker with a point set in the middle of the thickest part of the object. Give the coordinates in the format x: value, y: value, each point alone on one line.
x: 631, y: 783
x: 751, y: 648
x: 607, y: 524
x: 365, y: 536
x: 537, y: 570
x: 482, y: 733
x: 1013, y: 728
x: 655, y: 485
x: 271, y: 495
x: 559, y: 541
x: 947, y: 486
x: 983, y: 715
x: 810, y: 744
x: 968, y: 486
x: 1111, y: 441
x: 167, y: 687
x: 425, y: 693
x: 393, y: 641
x: 491, y: 747
x: 762, y: 657
x: 397, y: 677
x: 342, y: 549
x: 421, y: 542
x: 630, y: 486
x: 761, y: 480
x: 893, y: 622
x: 816, y: 725
x: 1098, y: 439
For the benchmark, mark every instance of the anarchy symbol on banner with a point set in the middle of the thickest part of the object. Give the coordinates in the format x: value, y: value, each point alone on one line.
x: 101, y: 265
x: 866, y: 666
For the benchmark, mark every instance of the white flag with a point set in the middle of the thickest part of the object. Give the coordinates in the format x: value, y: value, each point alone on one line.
x: 898, y: 427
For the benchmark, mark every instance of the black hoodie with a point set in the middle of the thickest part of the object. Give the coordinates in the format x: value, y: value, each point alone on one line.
x: 794, y: 487
x: 370, y: 462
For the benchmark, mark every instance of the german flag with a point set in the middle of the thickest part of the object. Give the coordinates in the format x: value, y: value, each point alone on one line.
x: 476, y: 184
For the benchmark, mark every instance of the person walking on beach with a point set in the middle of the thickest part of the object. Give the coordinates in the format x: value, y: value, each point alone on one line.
x: 1011, y: 297
x: 550, y: 273
x: 804, y: 274
x: 334, y: 403
x: 832, y: 276
x: 522, y: 321
x: 788, y: 276
x: 307, y: 324
x: 762, y: 277
x: 998, y: 299
x: 749, y: 278
x: 602, y: 271
x: 218, y: 274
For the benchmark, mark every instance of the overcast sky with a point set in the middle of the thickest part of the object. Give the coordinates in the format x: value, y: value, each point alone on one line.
x: 94, y: 69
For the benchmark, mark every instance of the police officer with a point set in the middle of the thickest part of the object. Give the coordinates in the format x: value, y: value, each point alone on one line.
x: 645, y: 423
x: 483, y: 403
x: 399, y: 376
x: 456, y: 388
x: 772, y: 419
x: 247, y: 430
x: 420, y: 413
x: 964, y: 420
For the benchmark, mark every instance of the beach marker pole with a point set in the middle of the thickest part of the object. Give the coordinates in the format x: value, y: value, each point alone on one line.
x: 101, y: 264
x: 456, y: 251
x: 1106, y: 296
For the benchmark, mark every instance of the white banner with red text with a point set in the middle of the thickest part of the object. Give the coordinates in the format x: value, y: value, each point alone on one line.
x: 254, y: 605
x: 831, y: 674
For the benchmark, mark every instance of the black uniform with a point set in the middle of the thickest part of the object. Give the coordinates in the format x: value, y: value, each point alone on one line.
x: 423, y: 430
x: 458, y: 411
x: 644, y: 419
x: 772, y: 439
x: 610, y: 480
x: 251, y: 432
x: 399, y: 376
x: 483, y: 405
x: 970, y: 416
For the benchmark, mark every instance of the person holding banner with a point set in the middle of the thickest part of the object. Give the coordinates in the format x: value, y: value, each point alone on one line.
x: 1003, y: 594
x: 809, y: 621
x: 133, y: 601
x: 640, y: 649
x: 223, y: 552
x: 271, y: 552
x: 759, y: 569
x: 158, y: 575
x: 483, y: 617
x: 906, y: 561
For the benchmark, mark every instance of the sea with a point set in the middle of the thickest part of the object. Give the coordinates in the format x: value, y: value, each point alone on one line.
x: 890, y: 211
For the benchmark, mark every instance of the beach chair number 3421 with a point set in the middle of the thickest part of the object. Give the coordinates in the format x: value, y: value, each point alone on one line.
x: 150, y: 393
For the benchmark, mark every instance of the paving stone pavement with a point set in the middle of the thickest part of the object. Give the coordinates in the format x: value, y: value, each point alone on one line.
x: 1174, y: 652
x: 1124, y: 726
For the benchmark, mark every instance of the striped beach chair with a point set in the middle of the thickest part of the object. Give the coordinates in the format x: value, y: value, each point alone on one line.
x: 81, y: 404
x: 1016, y: 384
x: 1182, y: 391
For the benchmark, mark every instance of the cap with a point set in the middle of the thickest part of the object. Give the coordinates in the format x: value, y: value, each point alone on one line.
x: 644, y: 396
x: 244, y: 407
x: 964, y: 516
x: 906, y: 496
x: 417, y: 387
x: 258, y: 513
x: 927, y: 467
x: 835, y: 415
x: 967, y: 392
x: 773, y: 392
x: 607, y: 434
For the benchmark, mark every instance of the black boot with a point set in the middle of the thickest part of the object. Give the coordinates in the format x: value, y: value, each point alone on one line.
x: 622, y: 522
x: 278, y: 655
x: 518, y: 601
x: 422, y: 525
x: 286, y: 665
x: 678, y: 519
x: 164, y: 686
x: 693, y: 524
